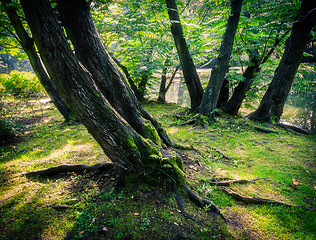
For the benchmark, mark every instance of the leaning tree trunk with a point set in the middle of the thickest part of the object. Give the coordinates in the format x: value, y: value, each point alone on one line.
x: 163, y: 88
x: 28, y: 46
x: 212, y: 91
x: 234, y: 103
x: 190, y: 75
x: 273, y: 101
x: 127, y: 149
x: 77, y: 19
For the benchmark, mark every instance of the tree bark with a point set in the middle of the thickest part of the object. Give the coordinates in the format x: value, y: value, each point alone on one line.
x: 77, y: 19
x: 233, y: 105
x: 127, y: 149
x: 28, y: 46
x: 163, y: 88
x: 273, y: 101
x: 210, y: 98
x: 190, y: 75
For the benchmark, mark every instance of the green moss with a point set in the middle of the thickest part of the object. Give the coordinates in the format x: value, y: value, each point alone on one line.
x: 151, y: 133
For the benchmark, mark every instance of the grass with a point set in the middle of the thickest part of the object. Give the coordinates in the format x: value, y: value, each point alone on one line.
x: 89, y: 207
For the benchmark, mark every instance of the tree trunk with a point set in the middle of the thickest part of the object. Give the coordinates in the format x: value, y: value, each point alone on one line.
x: 28, y: 46
x: 272, y: 103
x: 234, y: 103
x: 162, y: 88
x: 190, y: 75
x: 223, y: 95
x: 89, y: 49
x: 210, y: 98
x: 127, y: 149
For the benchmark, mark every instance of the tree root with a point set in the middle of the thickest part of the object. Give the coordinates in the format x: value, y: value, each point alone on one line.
x: 203, y: 202
x: 65, y: 168
x: 257, y: 200
x: 227, y: 183
x: 181, y: 206
x: 292, y: 128
x: 223, y: 155
x: 264, y: 130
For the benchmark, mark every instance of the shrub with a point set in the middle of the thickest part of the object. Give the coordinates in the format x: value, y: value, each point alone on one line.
x: 21, y: 84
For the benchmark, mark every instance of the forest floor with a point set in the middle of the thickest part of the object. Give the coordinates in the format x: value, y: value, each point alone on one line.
x: 73, y: 206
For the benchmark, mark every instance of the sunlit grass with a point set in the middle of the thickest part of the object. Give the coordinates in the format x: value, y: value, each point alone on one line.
x: 97, y: 212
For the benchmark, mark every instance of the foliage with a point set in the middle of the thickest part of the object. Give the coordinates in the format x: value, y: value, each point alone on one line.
x: 21, y: 84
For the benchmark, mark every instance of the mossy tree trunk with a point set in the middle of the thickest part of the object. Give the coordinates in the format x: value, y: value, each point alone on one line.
x: 190, y: 75
x: 28, y: 46
x: 273, y: 101
x: 212, y: 91
x: 126, y: 148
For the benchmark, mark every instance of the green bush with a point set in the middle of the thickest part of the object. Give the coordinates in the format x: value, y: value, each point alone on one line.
x: 7, y: 131
x: 21, y: 84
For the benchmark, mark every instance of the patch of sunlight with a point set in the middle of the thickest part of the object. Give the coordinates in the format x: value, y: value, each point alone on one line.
x: 173, y: 130
x: 70, y: 148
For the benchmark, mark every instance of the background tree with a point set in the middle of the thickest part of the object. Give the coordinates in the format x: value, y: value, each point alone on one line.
x: 191, y: 77
x: 272, y: 103
x: 28, y: 46
x: 212, y: 91
x: 260, y: 36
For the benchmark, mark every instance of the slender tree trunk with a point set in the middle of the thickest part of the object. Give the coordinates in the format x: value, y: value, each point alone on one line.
x: 127, y: 149
x: 89, y: 49
x: 210, y: 98
x: 190, y: 75
x: 234, y: 103
x: 28, y: 46
x: 273, y: 101
x: 162, y: 88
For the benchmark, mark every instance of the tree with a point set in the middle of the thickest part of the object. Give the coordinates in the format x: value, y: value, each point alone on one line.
x: 212, y: 91
x: 189, y: 71
x: 29, y: 48
x: 259, y: 36
x: 273, y: 101
x: 128, y: 150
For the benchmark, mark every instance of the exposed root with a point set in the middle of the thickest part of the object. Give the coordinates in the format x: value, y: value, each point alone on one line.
x: 203, y: 202
x: 214, y: 208
x: 66, y: 168
x: 189, y: 122
x: 257, y: 200
x: 264, y: 130
x: 181, y: 206
x: 292, y: 128
x: 223, y: 155
x: 227, y: 183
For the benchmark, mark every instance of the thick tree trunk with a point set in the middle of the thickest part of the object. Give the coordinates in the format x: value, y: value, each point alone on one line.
x: 190, y: 75
x: 272, y: 103
x: 234, y: 103
x: 127, y: 149
x: 89, y: 49
x: 210, y: 98
x: 28, y: 46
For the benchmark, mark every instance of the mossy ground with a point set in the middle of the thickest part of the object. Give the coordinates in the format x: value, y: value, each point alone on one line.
x: 91, y: 207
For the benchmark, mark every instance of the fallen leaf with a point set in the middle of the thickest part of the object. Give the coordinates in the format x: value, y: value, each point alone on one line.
x: 296, y: 182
